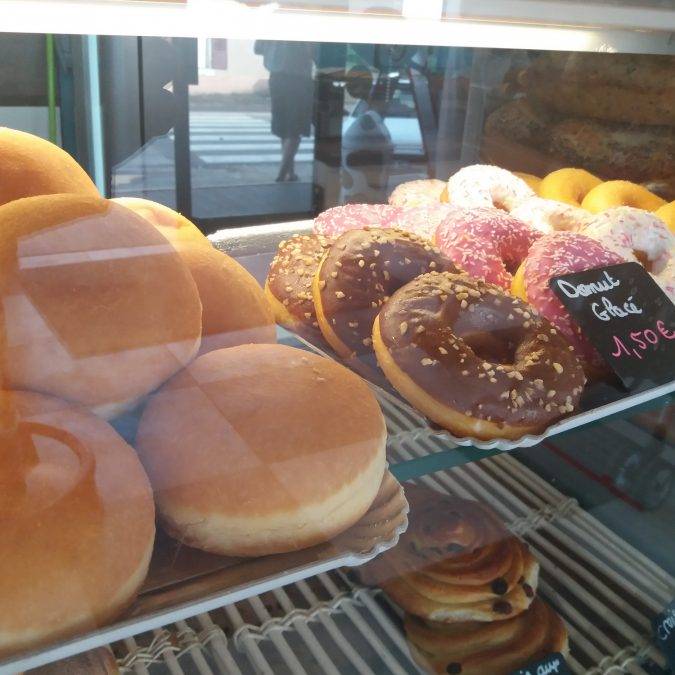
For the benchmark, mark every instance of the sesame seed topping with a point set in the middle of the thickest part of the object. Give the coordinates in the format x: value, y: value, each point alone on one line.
x: 339, y: 294
x: 551, y: 393
x: 558, y: 368
x: 333, y: 274
x: 427, y: 362
x: 362, y: 263
x: 442, y: 350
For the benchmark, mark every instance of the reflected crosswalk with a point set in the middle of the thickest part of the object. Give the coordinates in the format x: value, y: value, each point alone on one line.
x: 221, y: 138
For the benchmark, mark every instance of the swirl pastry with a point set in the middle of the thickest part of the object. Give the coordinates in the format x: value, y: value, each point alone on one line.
x: 457, y: 562
x: 497, y: 648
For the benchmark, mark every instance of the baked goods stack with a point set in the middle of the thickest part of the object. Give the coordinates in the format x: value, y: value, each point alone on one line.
x: 110, y: 307
x: 611, y: 114
x: 448, y: 287
x: 467, y: 588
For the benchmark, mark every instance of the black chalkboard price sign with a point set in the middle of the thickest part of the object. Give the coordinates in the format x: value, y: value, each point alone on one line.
x: 627, y: 317
x: 553, y: 664
x: 664, y: 628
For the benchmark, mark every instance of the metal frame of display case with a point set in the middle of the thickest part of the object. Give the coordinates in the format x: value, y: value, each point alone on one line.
x: 552, y: 25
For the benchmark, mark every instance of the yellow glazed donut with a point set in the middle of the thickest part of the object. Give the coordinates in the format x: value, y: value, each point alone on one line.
x: 569, y: 186
x: 667, y: 215
x: 621, y: 193
x: 532, y: 180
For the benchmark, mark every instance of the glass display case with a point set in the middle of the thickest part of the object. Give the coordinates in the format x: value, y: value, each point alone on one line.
x: 337, y: 336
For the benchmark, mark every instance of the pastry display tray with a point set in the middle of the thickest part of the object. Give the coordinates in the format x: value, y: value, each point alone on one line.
x: 255, y: 246
x: 606, y: 591
x: 183, y: 582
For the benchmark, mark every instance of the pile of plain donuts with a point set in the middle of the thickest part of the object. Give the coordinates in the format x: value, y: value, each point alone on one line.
x: 448, y: 285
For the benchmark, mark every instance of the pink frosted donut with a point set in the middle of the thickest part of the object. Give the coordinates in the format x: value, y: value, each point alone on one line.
x: 638, y: 236
x: 486, y: 243
x: 561, y: 253
x: 417, y: 192
x: 486, y: 185
x: 339, y: 219
x: 547, y: 215
x: 422, y: 220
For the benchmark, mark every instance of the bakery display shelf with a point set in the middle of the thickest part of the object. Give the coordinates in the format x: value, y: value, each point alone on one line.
x: 606, y: 591
x: 183, y: 581
x: 519, y: 25
x: 405, y: 425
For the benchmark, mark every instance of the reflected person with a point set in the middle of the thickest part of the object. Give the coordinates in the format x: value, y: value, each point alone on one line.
x: 291, y: 92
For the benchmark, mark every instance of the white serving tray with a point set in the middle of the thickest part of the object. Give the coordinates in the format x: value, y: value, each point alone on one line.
x: 423, y: 429
x: 184, y: 582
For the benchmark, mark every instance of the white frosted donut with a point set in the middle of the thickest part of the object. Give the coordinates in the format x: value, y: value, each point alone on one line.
x: 485, y: 185
x: 547, y: 215
x: 417, y: 192
x: 638, y: 236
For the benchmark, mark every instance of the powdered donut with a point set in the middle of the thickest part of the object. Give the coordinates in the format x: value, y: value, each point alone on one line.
x: 638, y: 236
x: 417, y: 192
x: 486, y: 185
x: 547, y: 215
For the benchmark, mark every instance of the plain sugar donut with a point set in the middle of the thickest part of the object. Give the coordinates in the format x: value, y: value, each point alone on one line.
x: 485, y: 185
x: 621, y: 193
x: 474, y: 359
x: 569, y: 186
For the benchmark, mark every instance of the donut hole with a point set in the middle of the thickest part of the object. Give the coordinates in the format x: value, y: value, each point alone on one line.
x: 493, y: 347
x: 645, y: 261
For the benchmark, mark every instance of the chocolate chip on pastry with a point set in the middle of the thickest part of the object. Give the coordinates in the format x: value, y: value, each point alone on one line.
x: 359, y: 273
x: 479, y: 648
x: 289, y: 281
x: 457, y: 562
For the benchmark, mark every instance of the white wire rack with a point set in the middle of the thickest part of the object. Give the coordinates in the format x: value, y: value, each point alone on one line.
x: 606, y: 591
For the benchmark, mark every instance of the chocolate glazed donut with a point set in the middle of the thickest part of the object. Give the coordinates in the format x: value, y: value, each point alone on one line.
x: 498, y: 648
x: 289, y: 281
x: 359, y: 273
x: 457, y: 562
x: 474, y: 359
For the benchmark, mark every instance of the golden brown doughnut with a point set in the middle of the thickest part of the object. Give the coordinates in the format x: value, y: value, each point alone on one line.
x: 77, y: 518
x: 474, y: 359
x: 31, y: 166
x: 457, y: 562
x: 497, y: 648
x: 100, y: 308
x: 358, y: 273
x: 262, y: 449
x: 289, y: 282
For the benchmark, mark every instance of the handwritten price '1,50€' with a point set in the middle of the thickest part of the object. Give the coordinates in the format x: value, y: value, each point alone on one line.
x: 641, y: 340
